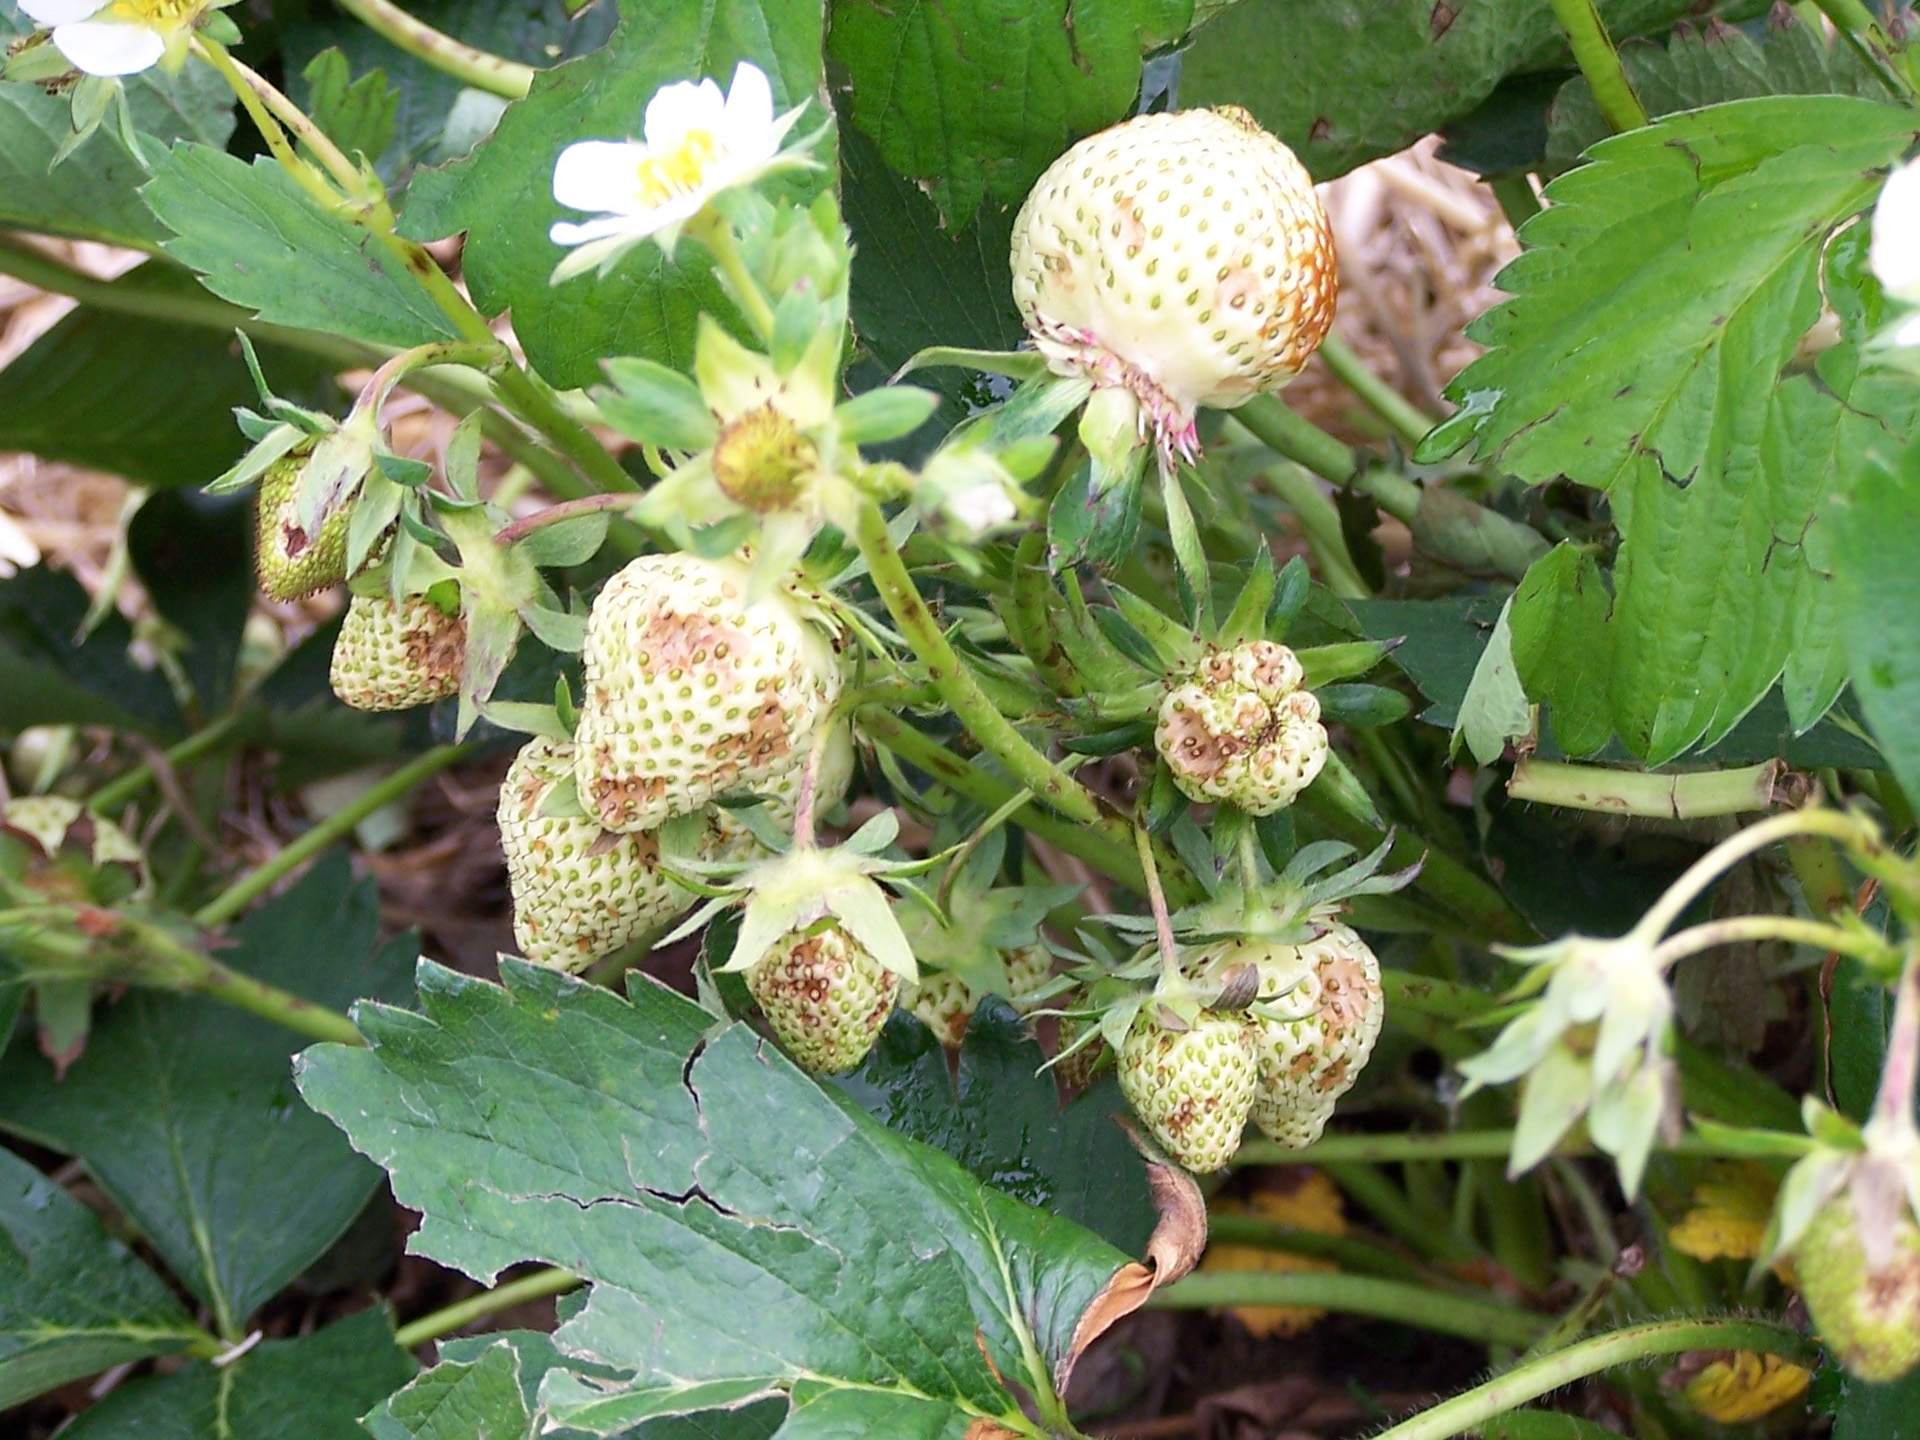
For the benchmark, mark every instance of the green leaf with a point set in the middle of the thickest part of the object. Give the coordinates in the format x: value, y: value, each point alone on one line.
x: 94, y: 193
x: 1876, y: 551
x: 472, y: 1392
x: 1000, y: 1116
x: 668, y: 1161
x: 194, y: 554
x: 52, y: 680
x: 1696, y: 68
x: 431, y: 105
x: 357, y: 115
x: 1344, y: 81
x: 1673, y: 277
x: 183, y: 1108
x: 313, y: 1388
x: 262, y: 242
x: 144, y: 397
x: 1878, y: 1412
x: 73, y: 1300
x: 502, y: 195
x: 1440, y: 644
x: 975, y: 99
x: 1563, y: 647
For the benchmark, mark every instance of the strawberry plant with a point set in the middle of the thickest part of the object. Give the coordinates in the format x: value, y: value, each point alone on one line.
x: 989, y: 790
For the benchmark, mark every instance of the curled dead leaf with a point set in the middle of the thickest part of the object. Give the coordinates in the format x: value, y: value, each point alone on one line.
x: 1172, y: 1251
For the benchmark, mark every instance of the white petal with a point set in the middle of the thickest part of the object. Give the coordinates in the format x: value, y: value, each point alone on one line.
x: 675, y: 109
x: 592, y: 256
x: 109, y: 48
x: 16, y: 546
x: 597, y: 175
x: 60, y: 12
x: 749, y: 101
x: 1894, y: 252
x: 564, y: 233
x: 1908, y: 332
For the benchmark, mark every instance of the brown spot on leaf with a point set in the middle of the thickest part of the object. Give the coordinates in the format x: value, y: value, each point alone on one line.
x: 1440, y: 19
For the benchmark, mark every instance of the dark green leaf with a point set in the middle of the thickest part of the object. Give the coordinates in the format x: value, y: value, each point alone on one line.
x: 1876, y: 548
x: 262, y: 242
x: 73, y: 1300
x: 194, y: 553
x: 51, y: 680
x: 93, y: 193
x: 1440, y: 644
x: 1860, y: 1012
x: 668, y: 1160
x: 1878, y: 1412
x: 358, y: 115
x: 1100, y: 531
x: 916, y: 285
x: 1001, y: 1118
x: 455, y: 1401
x: 185, y: 1112
x: 142, y: 396
x: 313, y: 1388
x: 428, y: 118
x: 1681, y: 266
x: 502, y: 195
x: 975, y: 99
x: 1343, y: 81
x: 1708, y: 66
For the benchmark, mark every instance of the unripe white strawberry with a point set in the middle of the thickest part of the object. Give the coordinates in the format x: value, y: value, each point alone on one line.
x: 1868, y: 1317
x: 1193, y: 1088
x: 289, y: 562
x: 945, y: 1004
x: 1078, y: 1070
x: 826, y: 998
x: 1306, y: 1064
x: 691, y: 692
x: 389, y: 657
x: 1241, y: 729
x: 1184, y: 258
x: 579, y: 892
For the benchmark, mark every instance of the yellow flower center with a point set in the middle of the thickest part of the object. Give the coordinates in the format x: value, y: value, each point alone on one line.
x: 156, y: 14
x: 658, y: 178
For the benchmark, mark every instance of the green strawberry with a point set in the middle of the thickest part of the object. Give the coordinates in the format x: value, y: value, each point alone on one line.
x: 1241, y: 729
x: 394, y: 658
x: 691, y: 692
x: 826, y: 998
x: 291, y: 563
x: 1079, y: 1069
x: 1193, y: 1088
x: 579, y: 892
x: 1182, y: 257
x: 944, y: 1003
x: 1868, y: 1317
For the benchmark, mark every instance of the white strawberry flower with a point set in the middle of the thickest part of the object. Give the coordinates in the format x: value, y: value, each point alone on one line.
x: 1596, y: 1044
x: 697, y: 144
x: 1894, y: 250
x: 120, y: 37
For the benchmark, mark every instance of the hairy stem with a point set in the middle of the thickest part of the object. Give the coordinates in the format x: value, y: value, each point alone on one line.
x: 1723, y: 857
x: 1032, y: 618
x: 507, y: 78
x: 1539, y: 1377
x: 1861, y: 945
x: 1624, y: 792
x: 1408, y: 421
x: 1470, y: 1319
x: 237, y: 77
x: 1593, y: 52
x: 237, y: 896
x: 956, y: 684
x: 462, y: 1313
x: 554, y: 514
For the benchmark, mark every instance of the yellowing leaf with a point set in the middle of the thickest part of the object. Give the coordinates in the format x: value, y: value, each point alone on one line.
x: 1728, y: 1217
x: 1313, y: 1203
x: 1745, y: 1387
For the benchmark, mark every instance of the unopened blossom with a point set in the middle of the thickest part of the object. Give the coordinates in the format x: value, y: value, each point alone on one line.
x: 697, y: 143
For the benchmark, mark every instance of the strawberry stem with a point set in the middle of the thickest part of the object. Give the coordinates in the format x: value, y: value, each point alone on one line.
x: 1893, y: 1104
x: 1157, y: 902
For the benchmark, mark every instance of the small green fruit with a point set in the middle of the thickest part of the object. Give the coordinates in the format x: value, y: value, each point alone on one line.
x: 290, y: 562
x: 1193, y: 1088
x: 826, y: 998
x: 394, y: 658
x: 1869, y: 1319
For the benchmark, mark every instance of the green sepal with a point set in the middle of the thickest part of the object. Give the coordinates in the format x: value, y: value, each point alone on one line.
x: 1176, y: 648
x: 1014, y: 364
x: 656, y: 406
x: 1324, y: 664
x: 1166, y: 802
x: 1290, y: 591
x: 1112, y: 741
x: 885, y: 414
x: 1097, y: 530
x: 1248, y: 618
x: 1362, y: 706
